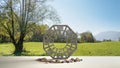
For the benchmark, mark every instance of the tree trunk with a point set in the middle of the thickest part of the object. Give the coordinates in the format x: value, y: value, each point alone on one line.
x: 18, y: 49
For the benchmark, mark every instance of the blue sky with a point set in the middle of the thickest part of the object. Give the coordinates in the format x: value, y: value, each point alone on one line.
x: 89, y: 15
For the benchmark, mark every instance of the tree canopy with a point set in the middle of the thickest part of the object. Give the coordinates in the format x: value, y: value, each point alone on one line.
x: 87, y: 37
x: 17, y: 18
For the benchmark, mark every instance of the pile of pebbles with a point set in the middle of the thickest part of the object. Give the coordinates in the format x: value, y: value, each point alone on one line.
x: 59, y: 60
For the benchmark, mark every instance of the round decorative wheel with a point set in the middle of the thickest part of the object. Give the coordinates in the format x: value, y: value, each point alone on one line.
x: 61, y: 33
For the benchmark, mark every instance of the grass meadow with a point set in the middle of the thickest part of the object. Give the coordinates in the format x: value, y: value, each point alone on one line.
x: 84, y: 49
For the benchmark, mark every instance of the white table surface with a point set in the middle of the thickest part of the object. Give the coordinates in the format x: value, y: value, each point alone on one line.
x: 88, y: 62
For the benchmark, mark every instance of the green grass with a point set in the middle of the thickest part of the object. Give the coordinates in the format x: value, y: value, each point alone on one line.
x: 98, y: 49
x: 33, y: 48
x: 59, y: 45
x: 84, y: 49
x: 6, y: 49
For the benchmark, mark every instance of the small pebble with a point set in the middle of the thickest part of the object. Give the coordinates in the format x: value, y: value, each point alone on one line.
x: 59, y: 61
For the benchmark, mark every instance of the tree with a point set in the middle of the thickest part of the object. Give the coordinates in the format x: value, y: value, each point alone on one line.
x: 3, y: 37
x: 107, y: 40
x: 37, y: 34
x: 19, y: 16
x: 87, y: 37
x: 119, y: 39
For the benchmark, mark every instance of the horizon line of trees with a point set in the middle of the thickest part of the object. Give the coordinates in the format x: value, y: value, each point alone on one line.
x: 36, y: 35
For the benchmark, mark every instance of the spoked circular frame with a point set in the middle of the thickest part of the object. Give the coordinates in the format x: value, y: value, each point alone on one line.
x: 65, y: 33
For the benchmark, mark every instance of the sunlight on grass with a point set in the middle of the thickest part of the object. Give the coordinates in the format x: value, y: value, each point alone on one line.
x: 34, y: 48
x: 6, y: 49
x: 84, y: 49
x: 59, y: 45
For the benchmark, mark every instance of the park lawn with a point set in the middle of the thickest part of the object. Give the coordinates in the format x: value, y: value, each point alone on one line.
x: 98, y: 49
x: 6, y: 48
x: 84, y: 49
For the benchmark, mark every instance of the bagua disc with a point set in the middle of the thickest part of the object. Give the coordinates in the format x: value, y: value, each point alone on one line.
x: 65, y: 33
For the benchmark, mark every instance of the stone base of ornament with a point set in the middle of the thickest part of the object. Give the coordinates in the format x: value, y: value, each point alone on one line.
x: 71, y: 60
